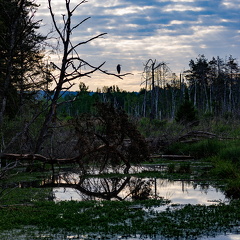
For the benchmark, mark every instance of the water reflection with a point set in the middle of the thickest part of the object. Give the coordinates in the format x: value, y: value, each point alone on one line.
x: 71, y: 186
x: 182, y: 192
x: 81, y: 188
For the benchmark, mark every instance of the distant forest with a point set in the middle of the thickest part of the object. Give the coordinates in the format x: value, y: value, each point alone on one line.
x: 212, y: 87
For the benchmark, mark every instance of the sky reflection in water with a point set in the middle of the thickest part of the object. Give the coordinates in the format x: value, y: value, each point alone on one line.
x: 179, y: 192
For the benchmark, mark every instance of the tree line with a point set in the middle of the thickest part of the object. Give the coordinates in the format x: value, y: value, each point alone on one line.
x: 211, y: 87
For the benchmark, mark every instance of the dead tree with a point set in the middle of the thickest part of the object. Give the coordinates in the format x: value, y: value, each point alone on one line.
x: 72, y: 65
x: 155, y: 78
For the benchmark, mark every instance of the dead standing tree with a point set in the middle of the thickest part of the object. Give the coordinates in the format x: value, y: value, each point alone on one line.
x: 71, y: 66
x: 155, y: 75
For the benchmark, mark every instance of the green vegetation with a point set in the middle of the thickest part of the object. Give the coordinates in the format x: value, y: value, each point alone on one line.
x: 99, y: 218
x: 215, y: 160
x: 186, y: 113
x: 224, y: 155
x: 27, y: 195
x: 201, y: 149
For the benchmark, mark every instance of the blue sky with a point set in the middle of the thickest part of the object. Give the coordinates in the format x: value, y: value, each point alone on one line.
x: 173, y: 31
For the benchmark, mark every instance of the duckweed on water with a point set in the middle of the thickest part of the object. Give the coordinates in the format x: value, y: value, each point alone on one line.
x: 111, y: 217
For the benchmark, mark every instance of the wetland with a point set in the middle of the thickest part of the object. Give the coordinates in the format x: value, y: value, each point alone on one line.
x: 163, y: 199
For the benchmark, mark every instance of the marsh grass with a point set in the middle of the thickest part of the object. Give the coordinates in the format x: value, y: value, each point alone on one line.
x: 201, y: 149
x: 231, y: 153
x: 226, y: 128
x: 185, y: 168
x: 222, y: 155
x: 171, y: 168
x: 224, y: 169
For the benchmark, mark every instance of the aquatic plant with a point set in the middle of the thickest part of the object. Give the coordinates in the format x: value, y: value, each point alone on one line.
x: 109, y: 218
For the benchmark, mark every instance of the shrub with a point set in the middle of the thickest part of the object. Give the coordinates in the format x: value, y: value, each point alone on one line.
x: 150, y: 127
x: 206, y: 148
x: 186, y: 113
x: 233, y: 188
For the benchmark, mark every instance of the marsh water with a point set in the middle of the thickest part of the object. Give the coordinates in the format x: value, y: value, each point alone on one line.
x: 178, y: 192
x: 72, y: 186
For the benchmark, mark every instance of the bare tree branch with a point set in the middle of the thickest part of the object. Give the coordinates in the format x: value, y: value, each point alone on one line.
x: 87, y: 41
x: 76, y: 26
x: 54, y: 21
x: 71, y: 63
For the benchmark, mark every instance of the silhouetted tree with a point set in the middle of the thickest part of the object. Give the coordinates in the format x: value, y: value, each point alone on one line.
x: 198, y: 78
x: 72, y: 66
x: 109, y: 139
x: 20, y: 49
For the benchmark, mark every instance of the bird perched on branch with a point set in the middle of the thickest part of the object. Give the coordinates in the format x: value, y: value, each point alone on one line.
x: 118, y: 68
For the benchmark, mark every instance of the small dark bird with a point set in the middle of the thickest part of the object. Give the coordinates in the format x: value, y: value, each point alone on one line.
x: 118, y: 68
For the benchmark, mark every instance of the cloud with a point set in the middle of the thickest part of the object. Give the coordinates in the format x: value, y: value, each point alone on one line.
x: 106, y: 4
x: 181, y: 8
x: 174, y: 31
x: 127, y: 10
x: 185, y: 1
x: 178, y: 22
x: 231, y: 4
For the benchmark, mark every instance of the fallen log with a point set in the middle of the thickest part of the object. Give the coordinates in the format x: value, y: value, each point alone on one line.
x: 38, y: 157
x: 197, y: 135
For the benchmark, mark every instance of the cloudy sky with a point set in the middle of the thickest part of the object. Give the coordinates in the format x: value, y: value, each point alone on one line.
x: 173, y: 31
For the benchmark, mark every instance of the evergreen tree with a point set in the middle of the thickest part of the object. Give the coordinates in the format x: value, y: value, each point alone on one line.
x: 20, y: 50
x: 186, y: 113
x: 199, y: 82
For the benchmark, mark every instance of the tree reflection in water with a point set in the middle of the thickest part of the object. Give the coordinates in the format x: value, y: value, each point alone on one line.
x: 74, y: 187
x: 95, y: 188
